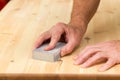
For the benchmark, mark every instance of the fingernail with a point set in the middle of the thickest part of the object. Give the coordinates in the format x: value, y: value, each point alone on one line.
x: 75, y: 57
x: 46, y: 48
x: 62, y: 53
x: 84, y: 65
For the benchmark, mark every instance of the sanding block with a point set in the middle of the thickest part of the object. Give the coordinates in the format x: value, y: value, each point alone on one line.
x: 51, y: 55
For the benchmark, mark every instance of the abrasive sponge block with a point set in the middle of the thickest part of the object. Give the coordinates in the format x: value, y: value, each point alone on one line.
x: 51, y: 55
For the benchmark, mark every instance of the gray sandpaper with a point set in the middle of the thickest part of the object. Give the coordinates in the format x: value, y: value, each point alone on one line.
x: 51, y: 55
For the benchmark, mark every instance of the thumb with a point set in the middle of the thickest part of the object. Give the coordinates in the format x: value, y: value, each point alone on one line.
x: 68, y: 48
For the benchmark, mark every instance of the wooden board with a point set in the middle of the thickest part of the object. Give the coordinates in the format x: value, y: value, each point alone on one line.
x: 21, y: 22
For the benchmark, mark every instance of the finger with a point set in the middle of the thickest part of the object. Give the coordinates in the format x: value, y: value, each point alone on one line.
x: 89, y: 48
x: 53, y: 42
x: 107, y: 65
x: 93, y: 60
x: 68, y: 48
x: 86, y: 55
x: 76, y: 57
x: 41, y: 39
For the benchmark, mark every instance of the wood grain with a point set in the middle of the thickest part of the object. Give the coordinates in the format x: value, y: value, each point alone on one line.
x: 21, y: 22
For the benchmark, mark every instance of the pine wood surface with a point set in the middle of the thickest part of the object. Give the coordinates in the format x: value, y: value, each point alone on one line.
x: 22, y: 21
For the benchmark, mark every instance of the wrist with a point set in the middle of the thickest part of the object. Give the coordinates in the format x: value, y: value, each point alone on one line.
x: 78, y: 24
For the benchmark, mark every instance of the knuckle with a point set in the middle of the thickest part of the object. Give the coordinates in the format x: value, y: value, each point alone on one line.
x: 42, y: 36
x: 57, y: 30
x: 99, y: 55
x: 55, y: 37
x: 57, y: 33
x: 44, y: 33
x: 60, y: 24
x: 114, y: 61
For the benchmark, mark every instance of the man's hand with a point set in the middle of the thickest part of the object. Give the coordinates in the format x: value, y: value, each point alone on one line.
x: 95, y: 53
x: 72, y: 36
x: 82, y: 12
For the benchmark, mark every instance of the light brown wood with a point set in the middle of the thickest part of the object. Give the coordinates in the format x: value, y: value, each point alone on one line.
x: 21, y: 22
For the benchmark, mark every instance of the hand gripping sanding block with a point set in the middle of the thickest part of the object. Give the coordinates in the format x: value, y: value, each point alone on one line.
x: 51, y: 55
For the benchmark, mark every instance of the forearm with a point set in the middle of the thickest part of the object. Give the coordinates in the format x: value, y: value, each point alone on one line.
x: 83, y: 11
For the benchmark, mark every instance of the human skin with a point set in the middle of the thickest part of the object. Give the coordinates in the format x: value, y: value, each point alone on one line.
x: 72, y: 32
x: 83, y: 11
x: 108, y: 51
